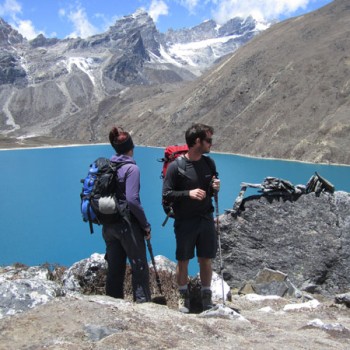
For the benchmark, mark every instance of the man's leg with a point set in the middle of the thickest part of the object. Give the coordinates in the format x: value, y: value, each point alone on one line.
x: 206, y: 251
x: 206, y: 272
x: 182, y: 272
x: 182, y: 280
x: 186, y: 236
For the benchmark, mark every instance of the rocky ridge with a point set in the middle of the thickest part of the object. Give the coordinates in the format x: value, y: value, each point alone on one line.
x: 68, y: 319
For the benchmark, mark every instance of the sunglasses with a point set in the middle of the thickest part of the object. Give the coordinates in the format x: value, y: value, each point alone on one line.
x: 209, y: 140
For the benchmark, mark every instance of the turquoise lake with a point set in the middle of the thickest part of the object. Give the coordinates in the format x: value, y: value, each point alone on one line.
x: 40, y: 198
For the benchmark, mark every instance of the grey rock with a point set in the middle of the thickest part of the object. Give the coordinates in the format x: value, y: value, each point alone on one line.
x: 337, y: 327
x: 97, y: 332
x: 223, y: 311
x: 22, y: 289
x: 11, y: 71
x: 306, y: 237
x: 270, y: 282
x: 271, y: 288
x: 85, y: 274
x: 165, y: 264
x: 343, y: 299
x: 41, y: 41
x: 268, y: 275
x: 8, y: 35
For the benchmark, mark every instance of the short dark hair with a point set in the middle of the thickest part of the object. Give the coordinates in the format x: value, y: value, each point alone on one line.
x: 197, y: 131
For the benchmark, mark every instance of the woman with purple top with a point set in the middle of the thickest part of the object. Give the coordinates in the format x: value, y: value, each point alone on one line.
x: 127, y: 239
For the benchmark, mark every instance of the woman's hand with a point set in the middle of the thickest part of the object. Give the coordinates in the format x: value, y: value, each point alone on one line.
x: 147, y: 233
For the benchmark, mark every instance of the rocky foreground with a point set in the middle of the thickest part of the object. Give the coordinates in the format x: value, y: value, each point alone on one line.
x: 41, y: 308
x: 99, y: 322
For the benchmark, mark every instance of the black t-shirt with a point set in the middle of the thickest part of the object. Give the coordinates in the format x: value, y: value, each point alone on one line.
x: 177, y: 184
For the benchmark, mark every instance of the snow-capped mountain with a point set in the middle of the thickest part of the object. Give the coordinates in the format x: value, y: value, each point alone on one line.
x: 199, y: 47
x: 46, y: 81
x: 130, y: 51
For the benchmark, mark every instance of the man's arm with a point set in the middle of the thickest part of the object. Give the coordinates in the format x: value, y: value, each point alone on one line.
x: 171, y: 194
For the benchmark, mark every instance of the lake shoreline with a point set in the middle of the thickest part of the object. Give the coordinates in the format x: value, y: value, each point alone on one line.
x: 15, y: 147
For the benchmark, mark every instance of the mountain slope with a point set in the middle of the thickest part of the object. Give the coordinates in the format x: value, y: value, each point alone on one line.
x: 285, y: 94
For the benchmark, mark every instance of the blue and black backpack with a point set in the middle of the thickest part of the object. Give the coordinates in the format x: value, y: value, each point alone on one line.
x: 99, y: 204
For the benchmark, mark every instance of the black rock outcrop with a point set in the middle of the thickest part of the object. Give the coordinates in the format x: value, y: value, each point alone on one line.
x: 305, y: 236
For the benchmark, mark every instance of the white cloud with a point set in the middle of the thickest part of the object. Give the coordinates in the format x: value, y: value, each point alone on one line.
x: 190, y: 4
x: 259, y: 9
x: 61, y: 12
x: 157, y: 8
x: 26, y: 28
x: 82, y: 26
x: 10, y: 8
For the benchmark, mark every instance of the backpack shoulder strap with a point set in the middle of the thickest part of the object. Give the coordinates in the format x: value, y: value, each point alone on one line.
x: 211, y: 165
x: 116, y: 166
x: 181, y: 165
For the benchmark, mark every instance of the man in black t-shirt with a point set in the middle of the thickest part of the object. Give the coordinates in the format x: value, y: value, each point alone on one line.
x: 191, y: 190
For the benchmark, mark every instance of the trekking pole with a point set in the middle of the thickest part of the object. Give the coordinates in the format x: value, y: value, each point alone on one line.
x: 148, y: 241
x: 168, y: 215
x: 219, y: 240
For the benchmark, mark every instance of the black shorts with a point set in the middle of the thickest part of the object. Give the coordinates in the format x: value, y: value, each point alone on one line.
x: 195, y: 233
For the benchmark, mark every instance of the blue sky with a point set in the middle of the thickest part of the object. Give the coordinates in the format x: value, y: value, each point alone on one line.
x: 72, y: 18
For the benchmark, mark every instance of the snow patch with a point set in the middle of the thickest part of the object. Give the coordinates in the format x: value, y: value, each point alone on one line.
x: 84, y: 64
x: 312, y: 304
x: 164, y: 58
x: 257, y: 297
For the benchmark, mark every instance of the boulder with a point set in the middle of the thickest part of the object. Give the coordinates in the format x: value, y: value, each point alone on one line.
x: 306, y: 237
x: 23, y: 288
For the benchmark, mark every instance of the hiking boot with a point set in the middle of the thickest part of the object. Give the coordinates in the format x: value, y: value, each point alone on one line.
x: 184, y: 301
x: 141, y: 295
x: 206, y: 299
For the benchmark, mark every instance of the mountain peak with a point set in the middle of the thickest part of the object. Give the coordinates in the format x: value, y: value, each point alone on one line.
x: 136, y: 21
x: 140, y: 12
x: 140, y: 17
x: 8, y: 35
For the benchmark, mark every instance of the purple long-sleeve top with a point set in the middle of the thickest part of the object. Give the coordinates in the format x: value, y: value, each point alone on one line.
x: 130, y: 175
